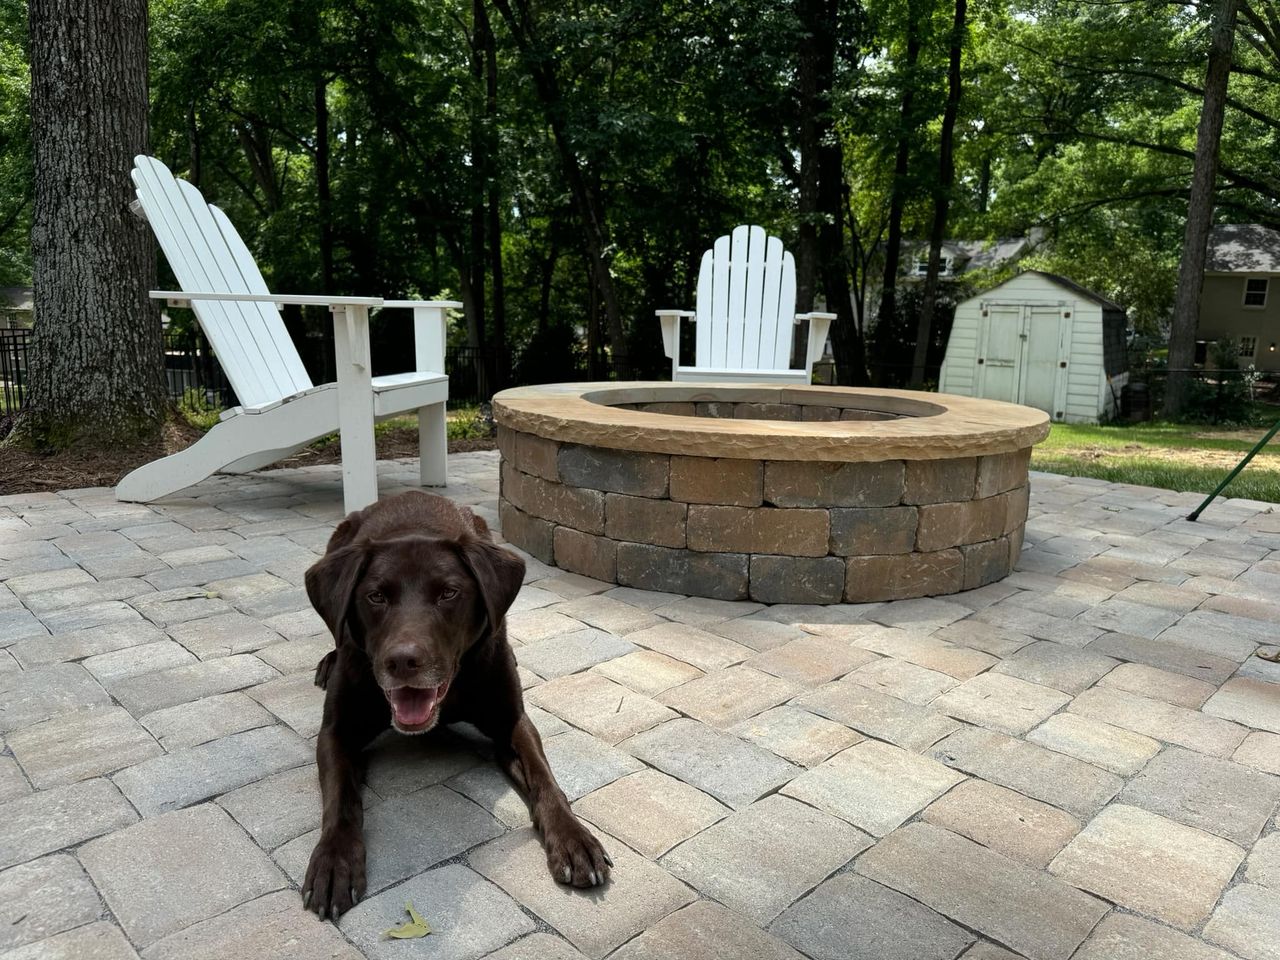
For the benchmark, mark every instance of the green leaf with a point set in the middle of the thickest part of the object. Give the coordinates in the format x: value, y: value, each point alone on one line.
x: 415, y: 928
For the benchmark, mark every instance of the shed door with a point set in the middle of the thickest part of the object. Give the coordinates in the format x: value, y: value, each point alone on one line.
x: 999, y: 377
x: 1043, y: 352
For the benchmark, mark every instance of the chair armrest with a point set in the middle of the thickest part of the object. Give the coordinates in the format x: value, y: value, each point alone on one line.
x: 819, y: 324
x: 670, y: 320
x: 428, y: 331
x: 815, y: 315
x: 442, y: 304
x: 182, y: 298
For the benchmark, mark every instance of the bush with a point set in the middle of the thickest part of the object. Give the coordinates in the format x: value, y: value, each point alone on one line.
x: 196, y: 408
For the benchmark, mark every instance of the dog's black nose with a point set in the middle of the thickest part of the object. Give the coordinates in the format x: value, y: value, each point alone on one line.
x: 402, y: 662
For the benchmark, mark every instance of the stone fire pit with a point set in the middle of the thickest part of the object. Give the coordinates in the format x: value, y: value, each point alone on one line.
x: 783, y: 494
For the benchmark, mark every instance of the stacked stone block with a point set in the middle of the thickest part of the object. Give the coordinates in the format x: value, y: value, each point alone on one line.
x: 777, y: 531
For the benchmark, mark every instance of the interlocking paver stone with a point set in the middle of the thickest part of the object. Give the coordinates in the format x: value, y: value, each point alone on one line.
x: 1001, y: 703
x: 400, y: 764
x: 638, y: 895
x: 761, y: 859
x: 197, y: 773
x: 278, y: 808
x: 852, y: 918
x: 1263, y: 865
x: 959, y: 662
x: 718, y: 763
x: 162, y: 875
x: 1218, y: 796
x: 30, y: 696
x: 95, y: 941
x: 758, y: 634
x: 39, y: 823
x: 1079, y: 788
x: 1167, y: 656
x: 197, y: 722
x: 38, y: 651
x: 1112, y: 748
x: 1004, y: 820
x: 728, y: 696
x: 1150, y: 864
x: 1056, y: 665
x: 904, y: 680
x: 599, y: 706
x: 149, y: 692
x: 294, y: 699
x: 704, y: 650
x: 875, y: 786
x: 571, y: 652
x: 405, y: 835
x: 796, y: 735
x: 79, y: 745
x: 877, y: 714
x: 1162, y: 721
x: 811, y: 661
x: 1036, y: 914
x: 647, y: 671
x: 1254, y: 703
x: 1260, y: 751
x: 1122, y: 936
x: 222, y: 635
x: 538, y: 946
x: 650, y: 811
x: 110, y: 668
x: 1157, y: 684
x: 582, y: 763
x: 1248, y: 922
x: 606, y: 613
x: 704, y: 931
x: 43, y: 898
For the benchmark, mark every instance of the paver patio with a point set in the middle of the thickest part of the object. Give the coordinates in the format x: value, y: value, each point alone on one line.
x: 1079, y: 761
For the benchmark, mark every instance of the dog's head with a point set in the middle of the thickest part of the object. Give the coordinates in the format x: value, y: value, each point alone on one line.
x: 415, y: 605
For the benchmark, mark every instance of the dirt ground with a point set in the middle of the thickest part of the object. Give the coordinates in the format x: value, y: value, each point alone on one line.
x: 23, y: 472
x: 1224, y: 459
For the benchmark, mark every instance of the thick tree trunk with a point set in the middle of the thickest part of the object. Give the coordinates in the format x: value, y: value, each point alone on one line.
x: 898, y: 197
x: 941, y: 200
x: 96, y: 361
x: 474, y: 306
x: 324, y: 192
x: 1186, y: 306
x: 502, y: 352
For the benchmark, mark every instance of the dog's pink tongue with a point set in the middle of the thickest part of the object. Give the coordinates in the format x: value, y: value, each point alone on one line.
x: 412, y: 705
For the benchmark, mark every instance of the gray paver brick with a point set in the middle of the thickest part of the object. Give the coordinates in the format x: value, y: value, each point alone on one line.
x: 166, y: 688
x: 704, y: 931
x: 222, y: 635
x: 728, y: 696
x: 1167, y: 656
x: 1248, y: 922
x: 294, y: 699
x: 1056, y: 665
x: 196, y: 773
x: 278, y: 808
x: 197, y: 722
x: 877, y: 714
x: 695, y: 646
x: 39, y: 651
x: 1122, y: 936
x: 41, y: 823
x: 1162, y: 721
x: 94, y: 941
x: 1248, y: 701
x: 30, y: 696
x: 81, y: 744
x: 43, y: 898
x: 110, y: 668
x: 1120, y: 751
x: 1004, y: 820
x: 732, y: 771
x: 650, y: 811
x: 569, y: 653
x: 1036, y: 914
x: 647, y: 671
x: 1001, y: 703
x: 761, y: 859
x: 796, y: 735
x: 598, y: 705
x: 164, y: 874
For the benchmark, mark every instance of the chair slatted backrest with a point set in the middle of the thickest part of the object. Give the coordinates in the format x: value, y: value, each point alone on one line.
x: 746, y: 303
x: 207, y: 255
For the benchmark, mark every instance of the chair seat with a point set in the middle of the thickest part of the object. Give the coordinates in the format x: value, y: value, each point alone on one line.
x: 721, y: 375
x: 392, y: 394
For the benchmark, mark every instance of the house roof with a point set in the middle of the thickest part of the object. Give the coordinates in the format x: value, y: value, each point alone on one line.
x: 1243, y: 248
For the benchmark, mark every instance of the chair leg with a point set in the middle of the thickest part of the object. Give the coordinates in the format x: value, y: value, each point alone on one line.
x: 433, y: 445
x: 259, y: 460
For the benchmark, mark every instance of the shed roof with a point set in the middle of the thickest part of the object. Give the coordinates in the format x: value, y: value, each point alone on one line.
x: 1069, y: 285
x: 1243, y: 248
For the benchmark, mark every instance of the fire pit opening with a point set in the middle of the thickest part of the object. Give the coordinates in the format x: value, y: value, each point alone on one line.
x: 782, y: 494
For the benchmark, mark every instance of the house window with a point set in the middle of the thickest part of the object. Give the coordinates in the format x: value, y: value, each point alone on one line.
x: 1255, y: 291
x: 922, y: 266
x: 1248, y: 346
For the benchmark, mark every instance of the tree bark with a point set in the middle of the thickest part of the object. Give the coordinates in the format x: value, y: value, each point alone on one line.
x: 941, y: 200
x: 324, y: 192
x: 898, y: 196
x: 811, y: 103
x: 96, y: 357
x: 474, y: 306
x: 502, y: 352
x: 1186, y: 306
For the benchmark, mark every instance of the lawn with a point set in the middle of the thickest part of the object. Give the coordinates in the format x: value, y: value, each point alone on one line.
x: 1174, y: 456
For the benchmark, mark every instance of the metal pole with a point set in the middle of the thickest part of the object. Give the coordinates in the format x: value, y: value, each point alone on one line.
x: 1195, y: 514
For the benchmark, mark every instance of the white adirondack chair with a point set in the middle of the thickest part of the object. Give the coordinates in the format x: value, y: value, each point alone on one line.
x: 280, y: 410
x: 746, y: 299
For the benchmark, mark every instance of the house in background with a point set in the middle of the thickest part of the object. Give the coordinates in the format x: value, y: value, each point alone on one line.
x: 961, y: 257
x: 1240, y: 297
x: 15, y: 307
x: 1040, y: 340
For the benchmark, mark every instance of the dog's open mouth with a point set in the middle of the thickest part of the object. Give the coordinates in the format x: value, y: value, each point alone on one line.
x: 414, y: 708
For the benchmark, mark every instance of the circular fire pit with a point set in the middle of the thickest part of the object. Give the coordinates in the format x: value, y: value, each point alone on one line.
x: 783, y: 494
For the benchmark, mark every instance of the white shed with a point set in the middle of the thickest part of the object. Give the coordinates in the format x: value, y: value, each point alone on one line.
x: 1040, y: 340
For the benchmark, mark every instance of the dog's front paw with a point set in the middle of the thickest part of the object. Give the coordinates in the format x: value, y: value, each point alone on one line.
x: 574, y: 855
x: 335, y: 877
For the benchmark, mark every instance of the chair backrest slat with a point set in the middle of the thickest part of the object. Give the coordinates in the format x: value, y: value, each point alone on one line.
x: 249, y: 339
x: 746, y: 301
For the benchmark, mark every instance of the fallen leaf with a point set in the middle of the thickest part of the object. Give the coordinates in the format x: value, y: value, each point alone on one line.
x: 416, y: 927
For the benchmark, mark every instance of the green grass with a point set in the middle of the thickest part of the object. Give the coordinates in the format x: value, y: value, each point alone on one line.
x: 1173, y: 456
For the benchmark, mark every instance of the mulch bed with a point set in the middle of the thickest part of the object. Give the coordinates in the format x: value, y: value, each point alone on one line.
x: 24, y: 472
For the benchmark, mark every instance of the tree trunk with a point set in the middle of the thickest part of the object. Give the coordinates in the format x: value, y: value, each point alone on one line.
x: 96, y: 357
x: 501, y: 350
x: 812, y: 103
x: 1186, y: 306
x: 941, y: 201
x: 324, y: 193
x: 478, y: 281
x: 898, y: 196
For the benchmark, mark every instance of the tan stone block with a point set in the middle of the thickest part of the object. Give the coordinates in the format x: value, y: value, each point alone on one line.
x: 569, y: 506
x: 814, y: 412
x: 537, y: 455
x: 1002, y: 472
x: 673, y: 409
x: 650, y: 811
x: 802, y: 533
x: 1017, y: 503
x: 985, y: 562
x: 1015, y: 544
x: 737, y: 483
x: 507, y: 443
x: 530, y: 534
x: 945, y: 525
x: 873, y: 531
x: 940, y: 481
x: 766, y: 411
x: 798, y: 483
x: 645, y: 520
x: 577, y: 552
x: 904, y: 576
x: 1005, y: 821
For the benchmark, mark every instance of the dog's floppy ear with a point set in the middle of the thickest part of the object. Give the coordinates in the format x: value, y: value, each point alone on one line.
x: 331, y: 584
x: 499, y: 573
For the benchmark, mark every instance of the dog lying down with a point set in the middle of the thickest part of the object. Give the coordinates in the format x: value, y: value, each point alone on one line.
x: 414, y: 591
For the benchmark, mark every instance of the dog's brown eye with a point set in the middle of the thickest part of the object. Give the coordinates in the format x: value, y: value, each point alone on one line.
x: 376, y: 598
x: 448, y: 594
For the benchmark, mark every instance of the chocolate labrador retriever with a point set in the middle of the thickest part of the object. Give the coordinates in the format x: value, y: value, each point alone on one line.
x: 414, y: 591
